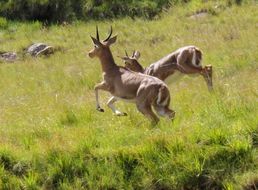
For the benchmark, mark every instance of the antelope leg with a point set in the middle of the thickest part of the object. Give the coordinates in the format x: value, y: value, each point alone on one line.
x: 100, y: 86
x: 146, y: 110
x: 111, y: 105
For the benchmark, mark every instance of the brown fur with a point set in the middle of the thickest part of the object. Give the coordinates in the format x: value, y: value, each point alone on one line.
x: 125, y: 84
x: 180, y: 60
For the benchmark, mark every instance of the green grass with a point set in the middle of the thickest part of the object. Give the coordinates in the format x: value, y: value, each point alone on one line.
x: 52, y: 137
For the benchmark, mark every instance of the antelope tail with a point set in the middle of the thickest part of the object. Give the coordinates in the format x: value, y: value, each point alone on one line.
x: 163, y: 96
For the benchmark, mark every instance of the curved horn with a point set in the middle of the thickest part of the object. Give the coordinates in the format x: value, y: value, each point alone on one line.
x: 97, y: 33
x: 111, y: 31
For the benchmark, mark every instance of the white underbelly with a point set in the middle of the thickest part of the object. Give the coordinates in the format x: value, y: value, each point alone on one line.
x: 126, y: 100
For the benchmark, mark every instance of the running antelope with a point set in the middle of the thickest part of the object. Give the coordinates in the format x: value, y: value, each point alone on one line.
x: 186, y: 60
x: 145, y: 91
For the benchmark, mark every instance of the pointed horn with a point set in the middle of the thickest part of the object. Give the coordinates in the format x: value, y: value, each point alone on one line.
x: 97, y: 33
x: 126, y: 53
x: 133, y: 53
x: 111, y: 31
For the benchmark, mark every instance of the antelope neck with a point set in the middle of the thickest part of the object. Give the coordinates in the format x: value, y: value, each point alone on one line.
x: 107, y: 61
x: 139, y: 68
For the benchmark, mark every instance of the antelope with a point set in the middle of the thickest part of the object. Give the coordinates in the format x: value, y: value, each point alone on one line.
x: 145, y: 91
x: 186, y: 60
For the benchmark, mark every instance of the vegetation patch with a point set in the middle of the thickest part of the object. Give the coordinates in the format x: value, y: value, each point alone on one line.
x: 65, y: 11
x: 52, y: 137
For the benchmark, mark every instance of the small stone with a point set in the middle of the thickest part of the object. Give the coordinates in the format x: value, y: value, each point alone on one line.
x: 8, y: 56
x: 40, y: 49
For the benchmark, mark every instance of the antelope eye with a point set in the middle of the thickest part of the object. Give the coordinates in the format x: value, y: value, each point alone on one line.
x: 96, y: 46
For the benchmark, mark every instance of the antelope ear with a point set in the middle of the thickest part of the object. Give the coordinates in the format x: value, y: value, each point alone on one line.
x: 137, y: 55
x: 111, y: 40
x: 95, y: 41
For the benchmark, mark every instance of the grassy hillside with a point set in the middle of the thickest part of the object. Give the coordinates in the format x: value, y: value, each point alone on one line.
x: 52, y: 137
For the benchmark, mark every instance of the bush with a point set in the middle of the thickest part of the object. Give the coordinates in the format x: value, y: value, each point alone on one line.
x: 58, y: 11
x: 66, y: 10
x: 43, y: 10
x: 117, y: 8
x: 3, y: 23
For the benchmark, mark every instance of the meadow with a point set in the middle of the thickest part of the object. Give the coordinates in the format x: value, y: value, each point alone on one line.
x: 51, y: 136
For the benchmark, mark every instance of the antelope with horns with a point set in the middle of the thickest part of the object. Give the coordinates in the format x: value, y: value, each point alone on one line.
x: 146, y: 91
x: 186, y: 60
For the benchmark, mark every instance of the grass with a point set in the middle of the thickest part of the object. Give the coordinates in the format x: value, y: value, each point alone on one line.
x: 52, y: 137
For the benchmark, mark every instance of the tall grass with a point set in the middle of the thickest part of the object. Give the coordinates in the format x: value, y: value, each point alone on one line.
x: 53, y: 138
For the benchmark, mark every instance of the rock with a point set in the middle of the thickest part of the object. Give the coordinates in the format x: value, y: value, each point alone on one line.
x: 8, y: 56
x: 199, y: 15
x: 40, y: 49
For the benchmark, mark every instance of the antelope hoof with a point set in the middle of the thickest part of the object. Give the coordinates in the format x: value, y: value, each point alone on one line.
x: 121, y: 114
x: 100, y: 109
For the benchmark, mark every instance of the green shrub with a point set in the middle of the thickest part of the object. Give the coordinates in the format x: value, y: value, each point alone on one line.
x: 44, y: 10
x: 117, y: 8
x: 58, y: 11
x: 3, y: 23
x: 66, y: 10
x: 7, y: 161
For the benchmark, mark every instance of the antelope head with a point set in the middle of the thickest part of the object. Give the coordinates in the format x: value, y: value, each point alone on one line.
x: 101, y: 47
x: 132, y: 62
x: 207, y: 74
